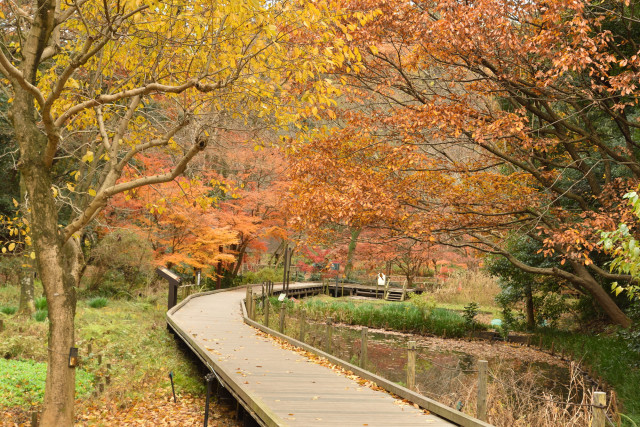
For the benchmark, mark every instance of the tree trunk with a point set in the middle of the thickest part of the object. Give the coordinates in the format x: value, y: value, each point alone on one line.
x: 27, y: 305
x: 528, y: 294
x: 355, y: 233
x: 240, y: 255
x: 603, y: 299
x: 58, y: 263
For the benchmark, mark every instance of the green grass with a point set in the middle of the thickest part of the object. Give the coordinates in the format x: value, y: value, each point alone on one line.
x: 40, y: 315
x: 41, y: 303
x: 7, y: 309
x: 98, y: 302
x: 130, y: 335
x: 610, y: 358
x: 402, y: 316
x: 22, y: 382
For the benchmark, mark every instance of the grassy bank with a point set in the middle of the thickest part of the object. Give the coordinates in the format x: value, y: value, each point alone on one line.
x: 403, y: 316
x: 129, y: 335
x: 607, y: 356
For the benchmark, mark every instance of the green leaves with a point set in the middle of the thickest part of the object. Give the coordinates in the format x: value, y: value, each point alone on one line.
x: 625, y: 248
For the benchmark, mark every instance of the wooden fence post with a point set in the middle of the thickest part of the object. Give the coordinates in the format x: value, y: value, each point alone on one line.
x: 363, y: 347
x: 267, y: 304
x: 599, y: 402
x: 249, y: 301
x: 34, y: 419
x: 411, y: 365
x: 107, y: 377
x: 329, y: 335
x: 282, y: 314
x: 303, y: 325
x: 482, y: 390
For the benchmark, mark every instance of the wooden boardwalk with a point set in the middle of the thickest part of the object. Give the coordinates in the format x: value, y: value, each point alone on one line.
x: 279, y: 386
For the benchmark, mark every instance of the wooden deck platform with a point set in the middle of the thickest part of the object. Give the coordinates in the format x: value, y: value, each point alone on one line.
x: 279, y: 387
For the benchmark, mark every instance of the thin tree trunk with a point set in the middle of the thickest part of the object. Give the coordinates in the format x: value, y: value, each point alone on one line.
x: 528, y: 292
x: 348, y: 267
x: 27, y: 305
x: 240, y: 255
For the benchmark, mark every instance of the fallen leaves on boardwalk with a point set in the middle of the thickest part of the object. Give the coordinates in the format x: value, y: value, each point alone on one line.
x: 338, y: 369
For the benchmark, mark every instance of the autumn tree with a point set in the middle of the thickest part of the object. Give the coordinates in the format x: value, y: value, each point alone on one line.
x: 250, y: 180
x: 515, y: 118
x: 179, y: 218
x: 93, y: 85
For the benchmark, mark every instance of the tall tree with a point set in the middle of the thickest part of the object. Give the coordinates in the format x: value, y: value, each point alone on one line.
x: 94, y: 84
x: 513, y: 116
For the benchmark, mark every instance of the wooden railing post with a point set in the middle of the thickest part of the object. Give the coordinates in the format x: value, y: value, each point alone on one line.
x: 363, y: 347
x: 303, y: 325
x: 482, y: 390
x: 327, y: 346
x: 249, y: 302
x: 174, y: 282
x: 267, y: 305
x: 254, y: 303
x: 411, y: 365
x: 282, y: 314
x: 599, y: 402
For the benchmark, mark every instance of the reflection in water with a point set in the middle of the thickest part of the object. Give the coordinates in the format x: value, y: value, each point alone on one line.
x: 444, y: 375
x: 524, y: 384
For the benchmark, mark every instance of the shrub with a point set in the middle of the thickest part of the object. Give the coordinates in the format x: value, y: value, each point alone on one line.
x: 424, y: 302
x: 8, y: 309
x: 123, y: 261
x: 631, y: 335
x: 470, y: 313
x: 41, y: 315
x: 262, y: 275
x: 551, y: 307
x: 10, y: 267
x: 98, y: 302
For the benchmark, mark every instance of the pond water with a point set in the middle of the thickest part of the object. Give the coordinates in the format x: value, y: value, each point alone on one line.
x: 446, y: 369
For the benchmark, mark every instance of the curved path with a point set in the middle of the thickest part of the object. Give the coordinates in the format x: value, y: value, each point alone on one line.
x: 279, y: 386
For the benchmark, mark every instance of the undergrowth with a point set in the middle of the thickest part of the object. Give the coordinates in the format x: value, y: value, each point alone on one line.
x: 22, y: 382
x: 129, y: 335
x: 97, y: 302
x: 609, y: 357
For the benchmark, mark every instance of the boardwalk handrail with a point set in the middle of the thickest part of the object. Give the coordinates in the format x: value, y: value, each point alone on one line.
x: 257, y: 409
x: 431, y: 405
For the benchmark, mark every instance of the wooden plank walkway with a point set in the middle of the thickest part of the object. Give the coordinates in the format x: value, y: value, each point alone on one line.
x: 280, y: 386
